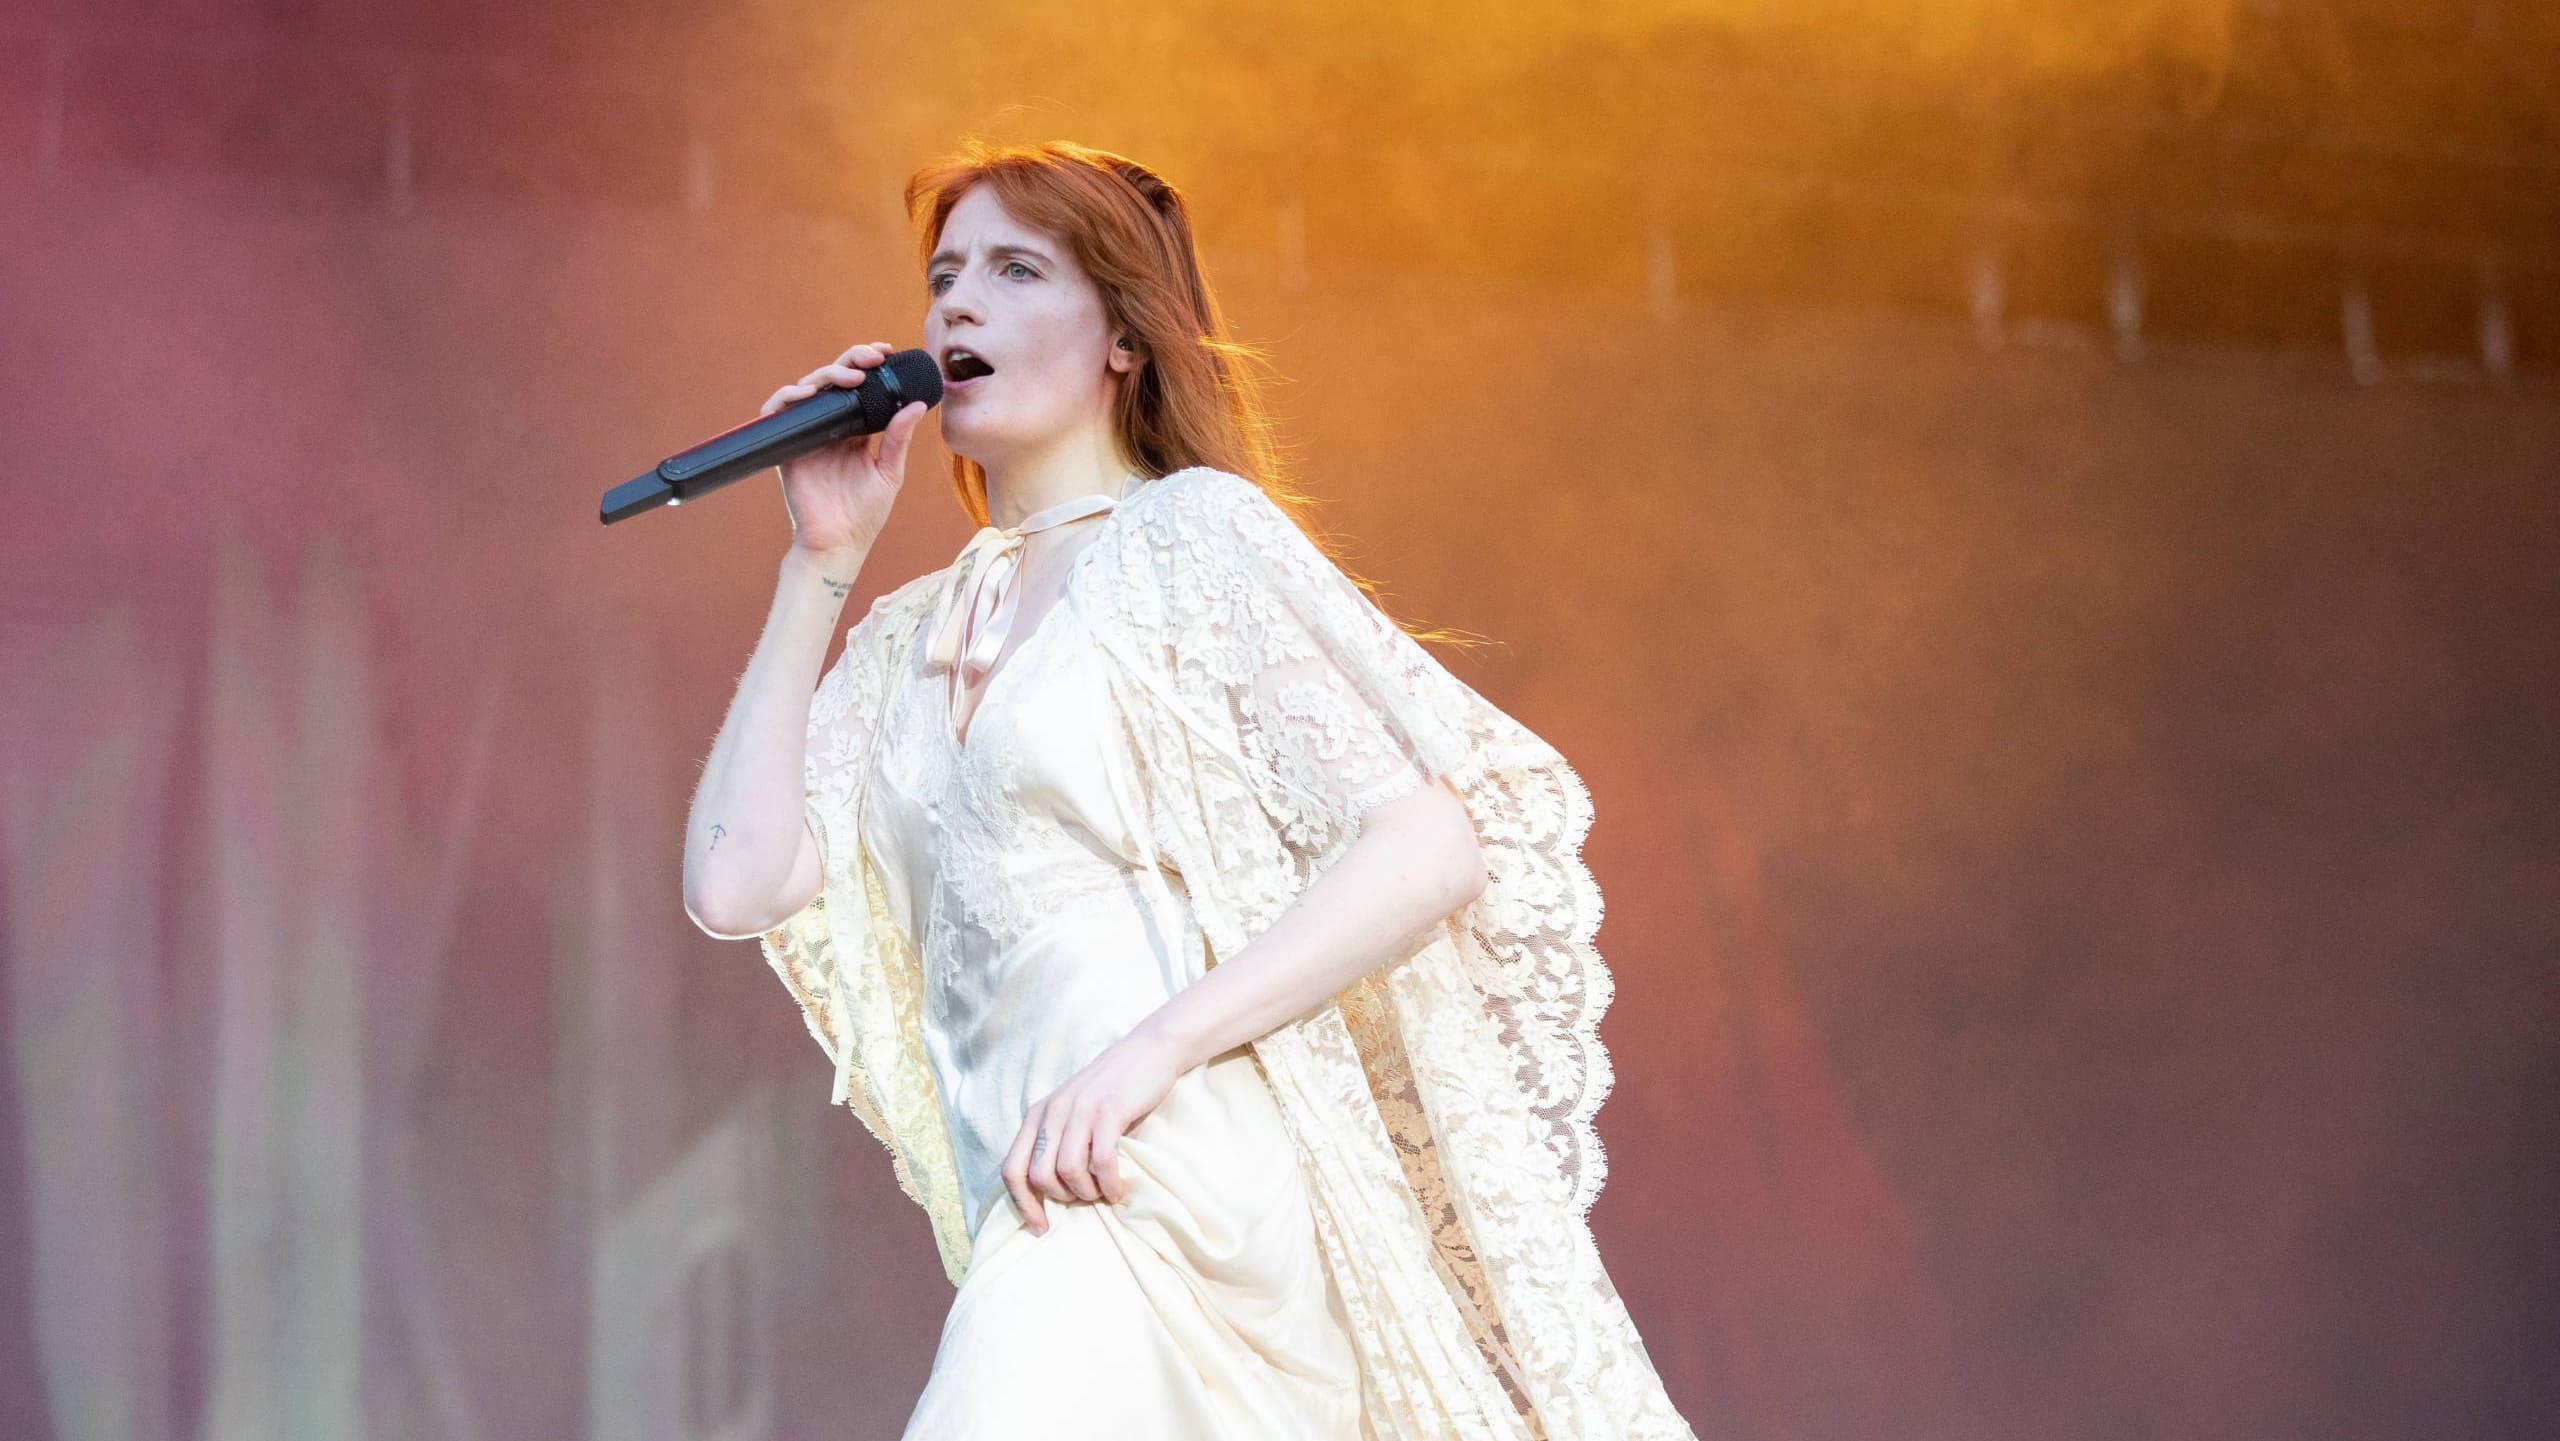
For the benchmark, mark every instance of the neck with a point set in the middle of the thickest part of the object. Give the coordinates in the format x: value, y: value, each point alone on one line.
x: 1082, y: 463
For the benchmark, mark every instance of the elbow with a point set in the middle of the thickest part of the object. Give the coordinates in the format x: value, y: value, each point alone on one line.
x: 1468, y: 876
x: 724, y: 918
x: 1429, y: 840
x: 728, y: 906
x: 1464, y: 875
x: 714, y: 918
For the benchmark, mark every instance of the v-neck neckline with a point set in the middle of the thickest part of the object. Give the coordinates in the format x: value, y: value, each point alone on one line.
x: 963, y: 744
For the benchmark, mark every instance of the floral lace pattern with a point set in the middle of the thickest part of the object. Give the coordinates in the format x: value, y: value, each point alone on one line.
x: 1466, y: 1072
x: 1443, y: 1107
x: 853, y: 972
x: 978, y: 902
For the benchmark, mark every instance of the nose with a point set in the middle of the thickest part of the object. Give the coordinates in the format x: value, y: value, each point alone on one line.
x: 958, y: 301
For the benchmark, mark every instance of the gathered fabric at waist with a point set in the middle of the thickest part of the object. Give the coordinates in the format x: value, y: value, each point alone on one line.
x: 1006, y: 1026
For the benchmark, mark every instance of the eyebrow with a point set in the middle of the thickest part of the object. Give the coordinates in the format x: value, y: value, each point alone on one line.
x: 993, y: 252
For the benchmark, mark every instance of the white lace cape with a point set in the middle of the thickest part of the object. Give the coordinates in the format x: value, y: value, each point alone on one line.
x: 1443, y: 1107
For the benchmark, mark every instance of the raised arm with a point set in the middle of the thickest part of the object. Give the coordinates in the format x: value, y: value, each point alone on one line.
x: 750, y: 858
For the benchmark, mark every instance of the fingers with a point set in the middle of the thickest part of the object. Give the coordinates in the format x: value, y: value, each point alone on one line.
x: 1074, y: 1159
x: 1106, y: 1164
x: 1017, y: 1177
x: 844, y: 377
x: 1042, y: 1170
x: 1077, y: 1161
x: 808, y: 385
x: 845, y: 374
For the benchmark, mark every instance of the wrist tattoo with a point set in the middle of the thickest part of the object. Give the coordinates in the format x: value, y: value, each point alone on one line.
x: 838, y: 588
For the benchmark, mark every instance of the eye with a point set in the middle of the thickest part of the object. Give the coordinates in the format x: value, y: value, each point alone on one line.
x: 934, y: 284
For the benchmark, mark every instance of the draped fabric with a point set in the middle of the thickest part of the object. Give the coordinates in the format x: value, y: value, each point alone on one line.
x: 986, y: 591
x: 1442, y: 1106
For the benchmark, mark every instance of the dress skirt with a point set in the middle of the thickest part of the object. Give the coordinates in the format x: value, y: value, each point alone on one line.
x: 1200, y: 1305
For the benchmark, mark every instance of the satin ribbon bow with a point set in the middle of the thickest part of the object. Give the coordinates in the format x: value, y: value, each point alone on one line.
x: 985, y: 591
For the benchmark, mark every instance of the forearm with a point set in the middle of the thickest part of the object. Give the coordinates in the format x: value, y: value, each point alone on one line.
x: 1415, y: 862
x: 745, y: 831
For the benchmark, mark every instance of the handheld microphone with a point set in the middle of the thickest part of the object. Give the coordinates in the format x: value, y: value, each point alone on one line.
x: 831, y: 415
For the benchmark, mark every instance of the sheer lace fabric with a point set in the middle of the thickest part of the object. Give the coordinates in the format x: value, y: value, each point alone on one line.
x: 1197, y: 1305
x: 1442, y: 1109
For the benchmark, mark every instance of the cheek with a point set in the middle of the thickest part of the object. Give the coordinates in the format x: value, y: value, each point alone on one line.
x: 1064, y: 378
x: 1071, y: 341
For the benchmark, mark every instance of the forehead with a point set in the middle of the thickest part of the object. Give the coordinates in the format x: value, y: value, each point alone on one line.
x: 979, y: 221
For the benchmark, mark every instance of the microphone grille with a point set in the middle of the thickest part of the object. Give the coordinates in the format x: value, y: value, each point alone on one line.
x: 910, y: 375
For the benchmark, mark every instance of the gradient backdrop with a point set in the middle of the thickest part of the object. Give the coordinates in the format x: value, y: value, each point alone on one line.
x: 2036, y: 520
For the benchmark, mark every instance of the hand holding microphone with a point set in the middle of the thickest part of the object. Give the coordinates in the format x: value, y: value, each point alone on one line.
x: 839, y: 494
x: 840, y: 435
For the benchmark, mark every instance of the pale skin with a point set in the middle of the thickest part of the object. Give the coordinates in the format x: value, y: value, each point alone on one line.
x: 1041, y: 426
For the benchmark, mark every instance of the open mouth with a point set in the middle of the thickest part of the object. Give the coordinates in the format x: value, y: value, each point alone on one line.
x: 962, y: 366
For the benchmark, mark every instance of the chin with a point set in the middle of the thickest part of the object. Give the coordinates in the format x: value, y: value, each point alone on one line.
x: 963, y: 439
x: 972, y: 439
x: 990, y: 455
x: 969, y: 445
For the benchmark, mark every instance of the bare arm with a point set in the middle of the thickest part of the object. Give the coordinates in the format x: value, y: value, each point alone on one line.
x: 1415, y: 863
x: 750, y: 862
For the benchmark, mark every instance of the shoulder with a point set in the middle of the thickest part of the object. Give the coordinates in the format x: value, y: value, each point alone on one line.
x: 1193, y: 490
x: 1207, y: 505
x: 1209, y: 533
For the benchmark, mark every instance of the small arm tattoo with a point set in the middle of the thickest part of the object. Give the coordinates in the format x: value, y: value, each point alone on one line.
x: 839, y: 588
x: 717, y: 831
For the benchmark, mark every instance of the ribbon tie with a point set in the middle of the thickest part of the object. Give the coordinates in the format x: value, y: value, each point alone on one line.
x: 985, y: 592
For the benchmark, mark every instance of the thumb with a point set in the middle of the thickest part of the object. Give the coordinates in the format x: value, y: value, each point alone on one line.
x: 895, y: 436
x: 907, y: 423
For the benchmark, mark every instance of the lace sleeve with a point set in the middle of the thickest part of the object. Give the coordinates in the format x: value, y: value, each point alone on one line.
x: 842, y: 715
x: 843, y: 712
x: 1444, y: 1107
x: 1346, y: 710
x: 852, y: 973
x: 1332, y: 743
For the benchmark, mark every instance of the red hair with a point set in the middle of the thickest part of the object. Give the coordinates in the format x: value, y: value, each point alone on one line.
x: 1195, y: 394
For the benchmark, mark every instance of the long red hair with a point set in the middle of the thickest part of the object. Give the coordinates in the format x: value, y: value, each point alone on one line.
x: 1195, y: 396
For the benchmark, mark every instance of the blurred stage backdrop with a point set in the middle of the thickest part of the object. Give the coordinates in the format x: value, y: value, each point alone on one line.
x: 2035, y: 518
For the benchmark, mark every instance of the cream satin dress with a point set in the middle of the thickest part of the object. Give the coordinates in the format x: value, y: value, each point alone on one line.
x: 1200, y: 1305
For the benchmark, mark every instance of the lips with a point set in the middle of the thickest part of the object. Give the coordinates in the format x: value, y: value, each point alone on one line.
x: 963, y: 367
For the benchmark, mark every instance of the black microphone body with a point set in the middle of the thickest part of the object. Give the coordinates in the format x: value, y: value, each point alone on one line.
x: 831, y: 415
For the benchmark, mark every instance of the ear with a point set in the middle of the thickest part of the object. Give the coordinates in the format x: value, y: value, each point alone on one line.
x: 1123, y: 354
